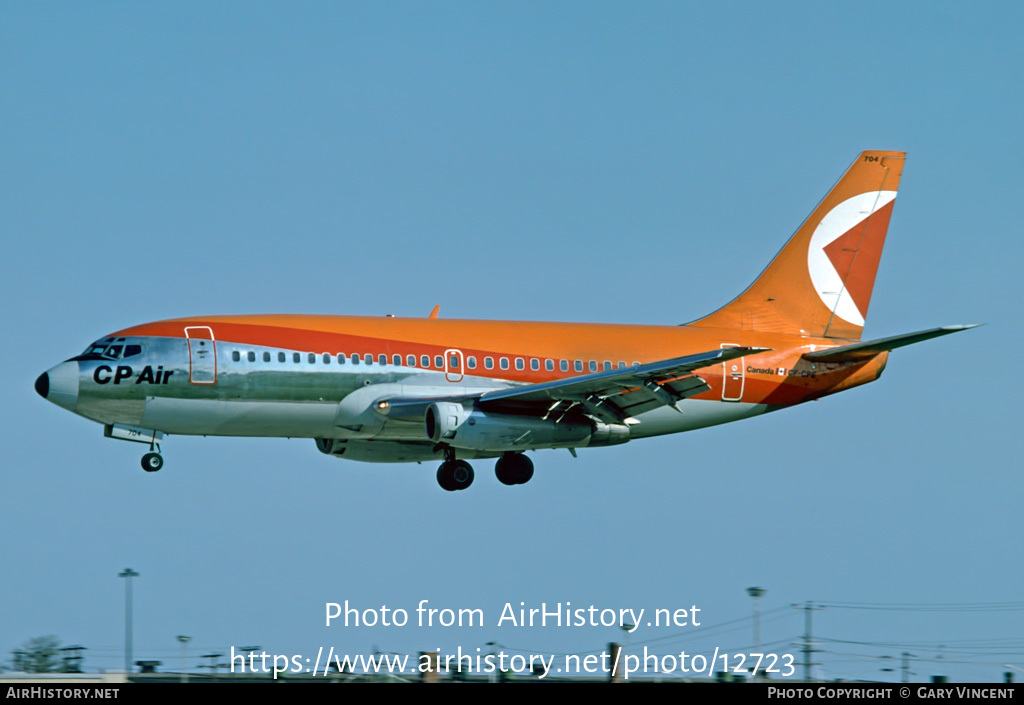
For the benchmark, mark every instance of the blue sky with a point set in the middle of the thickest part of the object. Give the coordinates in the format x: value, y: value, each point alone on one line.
x: 545, y: 161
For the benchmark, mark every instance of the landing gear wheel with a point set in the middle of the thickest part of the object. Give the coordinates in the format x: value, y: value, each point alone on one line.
x: 444, y: 477
x: 151, y: 462
x: 455, y: 475
x: 513, y: 469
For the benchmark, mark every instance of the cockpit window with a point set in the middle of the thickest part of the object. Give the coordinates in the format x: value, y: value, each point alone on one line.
x: 103, y: 350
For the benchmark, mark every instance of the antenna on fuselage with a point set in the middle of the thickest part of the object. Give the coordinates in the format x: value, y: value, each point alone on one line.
x: 433, y: 314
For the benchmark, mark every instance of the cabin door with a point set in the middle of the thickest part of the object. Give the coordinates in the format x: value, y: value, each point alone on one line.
x: 732, y: 376
x: 453, y: 365
x: 202, y: 355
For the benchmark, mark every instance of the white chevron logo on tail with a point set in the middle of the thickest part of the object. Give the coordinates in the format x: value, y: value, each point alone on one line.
x: 834, y: 247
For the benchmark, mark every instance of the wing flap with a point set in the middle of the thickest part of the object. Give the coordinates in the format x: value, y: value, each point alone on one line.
x: 612, y: 396
x: 614, y: 382
x: 636, y: 401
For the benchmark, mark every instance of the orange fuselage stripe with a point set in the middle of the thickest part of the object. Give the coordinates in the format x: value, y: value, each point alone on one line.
x: 528, y: 340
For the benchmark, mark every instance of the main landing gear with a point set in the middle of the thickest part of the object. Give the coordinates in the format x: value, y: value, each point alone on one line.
x: 511, y: 469
x: 454, y: 474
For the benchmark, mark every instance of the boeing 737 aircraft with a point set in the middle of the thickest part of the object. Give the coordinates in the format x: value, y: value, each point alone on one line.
x: 387, y: 389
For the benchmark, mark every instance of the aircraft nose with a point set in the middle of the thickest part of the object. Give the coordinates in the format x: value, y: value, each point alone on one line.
x: 60, y: 385
x: 43, y: 385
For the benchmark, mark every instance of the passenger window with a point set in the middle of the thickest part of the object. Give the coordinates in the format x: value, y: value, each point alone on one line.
x: 504, y: 363
x: 410, y: 360
x: 266, y: 357
x: 622, y: 365
x: 396, y: 360
x: 252, y: 356
x: 438, y: 361
x: 564, y: 365
x: 489, y: 363
x: 368, y: 359
x: 296, y: 358
x: 355, y: 359
x: 382, y: 359
x: 607, y: 365
x: 453, y: 362
x: 326, y: 357
x: 579, y: 365
x: 549, y: 365
x: 235, y: 356
x: 593, y: 365
x: 341, y: 359
x: 520, y: 365
x: 534, y: 364
x: 471, y: 362
x: 425, y: 361
x: 280, y: 357
x: 311, y: 358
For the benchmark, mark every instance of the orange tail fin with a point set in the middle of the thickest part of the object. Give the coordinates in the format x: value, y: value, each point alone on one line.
x: 820, y: 283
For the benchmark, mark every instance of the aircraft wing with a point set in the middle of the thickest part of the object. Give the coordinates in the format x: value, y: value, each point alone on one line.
x: 612, y: 396
x: 858, y: 352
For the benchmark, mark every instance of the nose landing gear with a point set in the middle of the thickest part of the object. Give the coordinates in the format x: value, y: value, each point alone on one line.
x: 151, y: 462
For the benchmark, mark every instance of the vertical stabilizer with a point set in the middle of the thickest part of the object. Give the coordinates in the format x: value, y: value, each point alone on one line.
x: 820, y: 283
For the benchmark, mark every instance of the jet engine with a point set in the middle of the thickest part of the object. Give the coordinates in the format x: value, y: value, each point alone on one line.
x: 456, y: 426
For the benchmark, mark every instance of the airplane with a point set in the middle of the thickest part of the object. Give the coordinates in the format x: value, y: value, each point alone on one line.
x: 389, y: 389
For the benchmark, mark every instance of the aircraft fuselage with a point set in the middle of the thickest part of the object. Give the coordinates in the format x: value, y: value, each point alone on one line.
x: 321, y: 376
x: 392, y: 389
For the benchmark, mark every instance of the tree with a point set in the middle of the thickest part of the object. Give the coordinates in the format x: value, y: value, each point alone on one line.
x: 39, y: 655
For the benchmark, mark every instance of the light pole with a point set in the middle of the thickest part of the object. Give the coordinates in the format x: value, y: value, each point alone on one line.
x: 127, y: 574
x: 627, y: 629
x: 757, y: 593
x: 492, y: 677
x: 184, y: 640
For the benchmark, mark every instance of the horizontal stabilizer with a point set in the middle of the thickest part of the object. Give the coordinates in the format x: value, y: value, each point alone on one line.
x: 858, y: 352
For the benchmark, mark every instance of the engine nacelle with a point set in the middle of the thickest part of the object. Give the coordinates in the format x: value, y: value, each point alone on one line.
x: 443, y: 420
x: 608, y: 434
x: 329, y: 446
x: 472, y: 429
